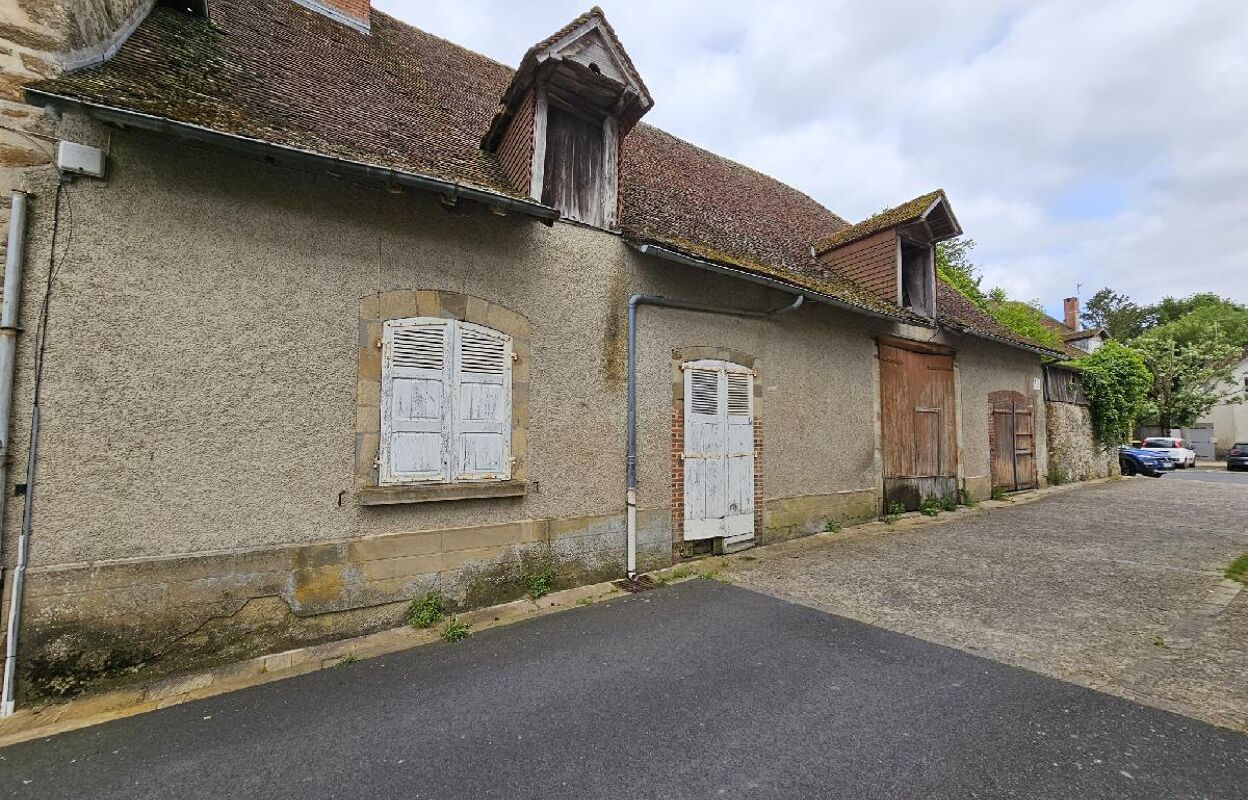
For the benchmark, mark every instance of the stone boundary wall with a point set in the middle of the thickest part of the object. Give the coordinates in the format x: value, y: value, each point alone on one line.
x: 1074, y: 454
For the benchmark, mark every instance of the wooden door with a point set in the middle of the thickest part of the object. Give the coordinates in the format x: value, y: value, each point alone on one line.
x: 1013, y: 440
x: 719, y: 451
x: 918, y: 421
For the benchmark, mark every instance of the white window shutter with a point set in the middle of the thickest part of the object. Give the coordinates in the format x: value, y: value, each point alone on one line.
x: 415, y: 400
x: 481, y: 413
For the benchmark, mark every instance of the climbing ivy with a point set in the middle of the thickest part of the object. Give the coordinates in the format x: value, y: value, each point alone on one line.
x: 1116, y: 382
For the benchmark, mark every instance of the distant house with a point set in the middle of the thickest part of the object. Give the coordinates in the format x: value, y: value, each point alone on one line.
x: 1230, y: 419
x: 354, y: 313
x: 1079, y: 341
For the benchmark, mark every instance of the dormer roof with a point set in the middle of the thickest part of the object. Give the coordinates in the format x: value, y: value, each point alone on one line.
x: 928, y: 218
x: 584, y: 62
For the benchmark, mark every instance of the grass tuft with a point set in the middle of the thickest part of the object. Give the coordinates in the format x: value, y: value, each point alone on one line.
x: 1238, y: 570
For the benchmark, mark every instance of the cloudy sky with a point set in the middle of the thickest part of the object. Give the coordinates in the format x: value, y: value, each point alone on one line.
x: 1085, y: 142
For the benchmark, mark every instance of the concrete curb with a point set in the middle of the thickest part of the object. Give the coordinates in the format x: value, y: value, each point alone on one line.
x: 48, y: 720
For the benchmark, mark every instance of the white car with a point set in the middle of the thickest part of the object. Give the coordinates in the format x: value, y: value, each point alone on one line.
x: 1178, y: 451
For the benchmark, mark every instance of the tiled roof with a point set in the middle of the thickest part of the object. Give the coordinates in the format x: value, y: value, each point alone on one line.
x: 403, y: 99
x: 888, y: 218
x: 955, y: 310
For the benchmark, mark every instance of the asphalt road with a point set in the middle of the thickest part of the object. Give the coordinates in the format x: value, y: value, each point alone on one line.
x: 697, y: 690
x: 1210, y: 475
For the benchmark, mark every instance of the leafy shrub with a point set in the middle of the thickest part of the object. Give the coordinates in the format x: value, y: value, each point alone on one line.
x: 540, y: 584
x: 1116, y: 382
x: 426, y: 610
x: 949, y: 502
x: 930, y: 506
x: 455, y: 630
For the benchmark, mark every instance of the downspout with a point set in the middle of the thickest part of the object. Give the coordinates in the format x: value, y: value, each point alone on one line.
x: 14, y: 258
x: 654, y: 300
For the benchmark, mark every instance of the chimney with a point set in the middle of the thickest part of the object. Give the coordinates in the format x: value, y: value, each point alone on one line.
x: 1072, y: 312
x: 355, y: 13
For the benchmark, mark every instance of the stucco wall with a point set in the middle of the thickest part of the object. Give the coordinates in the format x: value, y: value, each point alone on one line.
x: 1230, y: 420
x: 211, y: 358
x: 197, y: 447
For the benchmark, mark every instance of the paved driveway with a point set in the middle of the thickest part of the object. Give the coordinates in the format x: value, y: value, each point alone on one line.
x: 700, y: 690
x: 1116, y: 585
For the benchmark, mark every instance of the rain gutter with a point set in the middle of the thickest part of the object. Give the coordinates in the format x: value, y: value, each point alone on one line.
x: 361, y: 170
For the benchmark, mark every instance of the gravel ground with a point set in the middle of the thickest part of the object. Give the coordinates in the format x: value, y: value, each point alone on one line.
x: 1092, y: 585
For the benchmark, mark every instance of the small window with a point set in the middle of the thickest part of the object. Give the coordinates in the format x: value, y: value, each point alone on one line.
x: 918, y: 279
x: 445, y: 402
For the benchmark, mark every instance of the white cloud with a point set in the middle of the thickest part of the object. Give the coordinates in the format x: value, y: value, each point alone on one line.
x: 1096, y: 143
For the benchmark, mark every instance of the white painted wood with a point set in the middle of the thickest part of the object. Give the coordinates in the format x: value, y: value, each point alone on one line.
x: 414, y: 394
x: 719, y: 450
x: 481, y: 413
x: 445, y: 402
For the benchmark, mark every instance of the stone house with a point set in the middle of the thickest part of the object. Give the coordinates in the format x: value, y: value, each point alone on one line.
x: 324, y: 312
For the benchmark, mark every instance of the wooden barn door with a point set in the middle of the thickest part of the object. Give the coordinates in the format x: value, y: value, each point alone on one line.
x: 919, y: 428
x: 719, y: 451
x: 1013, y: 442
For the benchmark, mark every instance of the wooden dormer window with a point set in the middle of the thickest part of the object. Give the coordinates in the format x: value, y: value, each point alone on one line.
x: 578, y: 174
x: 918, y: 277
x: 558, y: 130
x: 893, y: 253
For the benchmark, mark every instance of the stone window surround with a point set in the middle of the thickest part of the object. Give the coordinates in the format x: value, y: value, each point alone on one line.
x: 681, y: 356
x: 405, y: 303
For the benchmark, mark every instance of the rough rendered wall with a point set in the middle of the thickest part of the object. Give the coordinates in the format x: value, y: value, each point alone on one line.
x: 195, y: 487
x: 1074, y: 454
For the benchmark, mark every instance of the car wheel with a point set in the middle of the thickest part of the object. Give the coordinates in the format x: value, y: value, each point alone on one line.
x: 1128, y: 470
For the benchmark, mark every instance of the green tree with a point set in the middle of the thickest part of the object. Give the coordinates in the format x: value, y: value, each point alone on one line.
x: 1210, y: 318
x: 1188, y: 378
x: 954, y: 265
x: 1122, y: 318
x: 1171, y: 309
x: 1117, y: 382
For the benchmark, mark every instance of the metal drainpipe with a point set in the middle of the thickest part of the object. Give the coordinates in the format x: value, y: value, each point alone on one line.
x: 15, y: 257
x: 655, y: 300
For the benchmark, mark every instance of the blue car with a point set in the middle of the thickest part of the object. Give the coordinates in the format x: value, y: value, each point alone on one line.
x: 1134, y: 461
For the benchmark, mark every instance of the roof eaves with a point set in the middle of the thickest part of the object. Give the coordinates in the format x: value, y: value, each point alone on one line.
x: 667, y: 251
x: 966, y: 330
x: 247, y: 144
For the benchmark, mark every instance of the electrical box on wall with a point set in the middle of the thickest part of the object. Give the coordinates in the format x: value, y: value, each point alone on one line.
x: 80, y: 159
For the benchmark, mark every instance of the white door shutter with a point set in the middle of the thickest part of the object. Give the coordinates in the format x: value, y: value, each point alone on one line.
x: 481, y: 417
x: 719, y: 451
x: 416, y: 357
